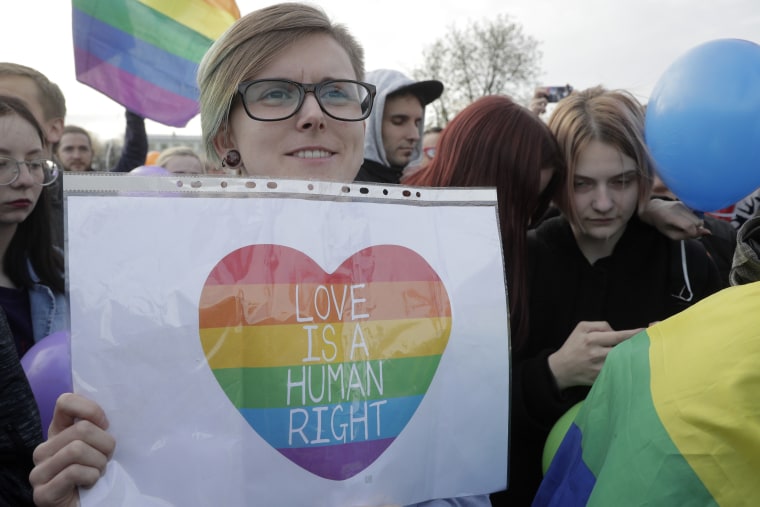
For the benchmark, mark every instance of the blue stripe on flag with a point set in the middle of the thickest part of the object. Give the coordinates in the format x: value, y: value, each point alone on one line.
x: 135, y: 56
x: 568, y: 481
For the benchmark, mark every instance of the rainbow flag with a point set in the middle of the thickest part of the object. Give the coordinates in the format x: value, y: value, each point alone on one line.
x: 144, y: 54
x: 674, y: 417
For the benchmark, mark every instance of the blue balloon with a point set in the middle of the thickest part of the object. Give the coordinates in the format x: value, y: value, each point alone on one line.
x: 703, y: 124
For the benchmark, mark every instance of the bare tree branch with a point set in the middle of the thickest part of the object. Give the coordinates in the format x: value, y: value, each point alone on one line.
x: 489, y: 57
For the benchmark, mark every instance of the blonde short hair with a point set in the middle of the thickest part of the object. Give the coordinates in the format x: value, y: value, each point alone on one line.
x: 612, y: 117
x: 178, y: 151
x: 251, y: 44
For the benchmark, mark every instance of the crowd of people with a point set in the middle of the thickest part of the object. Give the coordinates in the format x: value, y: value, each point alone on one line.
x: 592, y: 255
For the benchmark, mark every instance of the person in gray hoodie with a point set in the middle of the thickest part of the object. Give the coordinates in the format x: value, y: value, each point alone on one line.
x: 395, y: 127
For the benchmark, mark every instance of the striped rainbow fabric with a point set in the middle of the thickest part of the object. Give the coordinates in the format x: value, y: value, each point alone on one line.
x: 144, y: 54
x: 674, y: 417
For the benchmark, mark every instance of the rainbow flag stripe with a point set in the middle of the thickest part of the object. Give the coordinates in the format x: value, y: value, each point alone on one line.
x: 674, y: 417
x: 299, y: 351
x: 144, y: 54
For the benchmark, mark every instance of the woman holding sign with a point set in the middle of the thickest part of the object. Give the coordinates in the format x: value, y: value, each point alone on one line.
x: 281, y: 96
x: 32, y: 304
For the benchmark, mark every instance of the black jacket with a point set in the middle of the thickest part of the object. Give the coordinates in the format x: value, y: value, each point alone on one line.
x: 375, y: 172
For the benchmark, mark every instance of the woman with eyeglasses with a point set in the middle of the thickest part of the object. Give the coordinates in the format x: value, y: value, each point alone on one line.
x: 281, y: 99
x: 31, y: 281
x: 32, y: 303
x: 281, y: 95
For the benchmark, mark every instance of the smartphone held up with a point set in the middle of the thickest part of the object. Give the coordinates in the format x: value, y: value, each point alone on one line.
x: 557, y: 93
x: 544, y: 95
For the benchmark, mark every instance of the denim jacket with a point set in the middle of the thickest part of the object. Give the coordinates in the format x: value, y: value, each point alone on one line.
x: 49, y: 310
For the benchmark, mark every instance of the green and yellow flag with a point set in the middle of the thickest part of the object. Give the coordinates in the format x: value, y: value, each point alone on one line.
x: 674, y: 417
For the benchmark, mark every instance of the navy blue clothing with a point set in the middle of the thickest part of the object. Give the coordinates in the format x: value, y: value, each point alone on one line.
x: 135, y: 148
x: 20, y: 427
x: 18, y: 311
x: 375, y: 172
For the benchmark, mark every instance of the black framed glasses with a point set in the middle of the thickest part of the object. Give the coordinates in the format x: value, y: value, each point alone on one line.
x: 280, y: 99
x: 43, y: 171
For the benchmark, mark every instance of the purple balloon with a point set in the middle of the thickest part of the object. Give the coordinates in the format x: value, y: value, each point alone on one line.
x: 48, y: 367
x: 150, y: 170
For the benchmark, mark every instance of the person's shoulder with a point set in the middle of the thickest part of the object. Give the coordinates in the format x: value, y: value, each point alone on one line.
x: 720, y: 229
x: 551, y: 242
x: 369, y: 163
x: 637, y: 225
x: 640, y: 235
x: 372, y: 171
x: 692, y: 266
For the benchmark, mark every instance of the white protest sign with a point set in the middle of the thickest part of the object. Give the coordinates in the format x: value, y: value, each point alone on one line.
x: 288, y: 343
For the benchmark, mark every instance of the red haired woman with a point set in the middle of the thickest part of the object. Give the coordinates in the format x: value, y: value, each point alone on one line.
x: 495, y: 142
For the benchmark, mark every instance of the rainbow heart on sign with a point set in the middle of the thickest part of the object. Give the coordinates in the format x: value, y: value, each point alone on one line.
x: 328, y: 368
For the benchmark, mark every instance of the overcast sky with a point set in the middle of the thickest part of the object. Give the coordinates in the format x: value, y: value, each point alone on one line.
x: 618, y: 43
